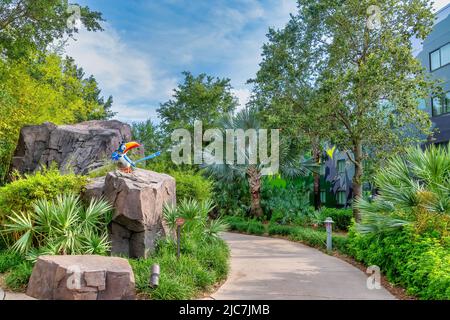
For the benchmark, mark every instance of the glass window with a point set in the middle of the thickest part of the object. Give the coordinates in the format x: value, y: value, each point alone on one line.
x: 341, y: 166
x: 445, y: 55
x: 341, y: 198
x: 435, y: 60
x: 436, y: 104
x: 447, y: 102
x: 323, y: 196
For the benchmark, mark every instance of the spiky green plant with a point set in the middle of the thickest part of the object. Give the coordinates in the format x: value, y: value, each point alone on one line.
x: 196, y: 218
x: 413, y: 189
x: 63, y: 226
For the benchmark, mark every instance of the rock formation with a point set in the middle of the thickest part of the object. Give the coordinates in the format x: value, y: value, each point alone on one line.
x: 138, y: 200
x: 86, y: 277
x: 80, y: 147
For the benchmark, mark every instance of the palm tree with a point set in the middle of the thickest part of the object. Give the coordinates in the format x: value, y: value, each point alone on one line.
x: 290, y: 165
x: 413, y: 189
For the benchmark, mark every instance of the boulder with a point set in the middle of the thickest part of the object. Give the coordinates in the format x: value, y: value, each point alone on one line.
x: 80, y: 147
x: 138, y: 199
x: 82, y: 277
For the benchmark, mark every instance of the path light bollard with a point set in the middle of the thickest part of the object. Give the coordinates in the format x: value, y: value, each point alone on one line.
x: 329, y: 226
x: 154, y: 276
x: 179, y: 222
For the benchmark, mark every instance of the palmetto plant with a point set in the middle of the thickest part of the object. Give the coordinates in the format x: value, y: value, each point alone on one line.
x: 290, y: 164
x: 413, y: 189
x: 196, y: 218
x: 63, y: 226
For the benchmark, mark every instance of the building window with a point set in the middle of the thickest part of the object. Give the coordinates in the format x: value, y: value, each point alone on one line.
x: 323, y: 196
x: 341, y: 166
x: 440, y: 105
x: 341, y: 198
x: 440, y: 57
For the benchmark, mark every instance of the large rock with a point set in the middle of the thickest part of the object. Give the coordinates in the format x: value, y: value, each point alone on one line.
x: 79, y: 147
x: 138, y: 199
x: 86, y: 277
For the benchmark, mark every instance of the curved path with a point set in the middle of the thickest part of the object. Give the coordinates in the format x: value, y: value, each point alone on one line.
x: 269, y: 268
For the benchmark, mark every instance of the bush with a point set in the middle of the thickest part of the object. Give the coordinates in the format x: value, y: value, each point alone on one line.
x: 62, y: 226
x: 342, y: 217
x: 17, y: 277
x: 420, y: 263
x: 245, y: 225
x: 285, y: 201
x: 201, y: 265
x: 192, y: 185
x: 20, y: 194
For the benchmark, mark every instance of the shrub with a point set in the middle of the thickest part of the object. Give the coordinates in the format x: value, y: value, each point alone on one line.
x: 17, y: 277
x: 285, y: 201
x: 62, y: 226
x: 245, y: 225
x: 201, y: 265
x: 20, y: 194
x: 420, y: 263
x: 342, y: 217
x: 192, y: 185
x: 197, y: 222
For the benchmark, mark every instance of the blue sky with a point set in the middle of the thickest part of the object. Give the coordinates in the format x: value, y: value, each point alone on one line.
x: 148, y: 43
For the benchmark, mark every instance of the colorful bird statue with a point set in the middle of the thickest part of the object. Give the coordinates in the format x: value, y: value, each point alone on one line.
x: 120, y: 155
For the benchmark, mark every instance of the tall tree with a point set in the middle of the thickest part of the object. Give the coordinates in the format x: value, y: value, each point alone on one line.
x: 30, y: 25
x: 203, y: 98
x: 366, y: 80
x: 284, y: 89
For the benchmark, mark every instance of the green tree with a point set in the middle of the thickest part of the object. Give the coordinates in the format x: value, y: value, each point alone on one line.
x: 29, y: 25
x: 203, y: 98
x: 290, y: 163
x: 148, y: 134
x: 366, y: 82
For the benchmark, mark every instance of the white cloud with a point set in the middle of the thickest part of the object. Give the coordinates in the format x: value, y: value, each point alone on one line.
x: 121, y: 71
x: 243, y: 95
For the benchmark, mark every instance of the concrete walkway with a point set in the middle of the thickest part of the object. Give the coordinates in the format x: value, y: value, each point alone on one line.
x: 268, y: 268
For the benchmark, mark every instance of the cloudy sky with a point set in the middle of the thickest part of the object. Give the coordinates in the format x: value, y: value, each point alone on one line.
x: 147, y: 44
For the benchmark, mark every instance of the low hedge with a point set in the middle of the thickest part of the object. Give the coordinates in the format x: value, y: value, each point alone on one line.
x: 420, y: 263
x: 342, y: 217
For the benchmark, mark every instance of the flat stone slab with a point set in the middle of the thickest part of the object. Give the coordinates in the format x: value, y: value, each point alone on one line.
x: 269, y: 268
x: 81, y: 277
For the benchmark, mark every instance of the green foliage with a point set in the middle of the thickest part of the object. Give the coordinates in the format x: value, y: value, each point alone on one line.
x: 33, y: 25
x: 420, y: 263
x: 413, y: 189
x: 17, y: 277
x: 201, y: 265
x: 201, y: 98
x: 63, y: 226
x: 20, y: 194
x: 197, y: 223
x: 9, y: 259
x: 147, y: 134
x: 232, y: 198
x: 285, y: 202
x: 192, y: 185
x: 241, y: 224
x: 342, y: 217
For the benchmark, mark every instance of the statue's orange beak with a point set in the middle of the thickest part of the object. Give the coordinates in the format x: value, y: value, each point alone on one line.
x: 131, y: 145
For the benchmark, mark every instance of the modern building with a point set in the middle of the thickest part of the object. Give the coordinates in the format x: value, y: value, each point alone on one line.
x: 434, y: 53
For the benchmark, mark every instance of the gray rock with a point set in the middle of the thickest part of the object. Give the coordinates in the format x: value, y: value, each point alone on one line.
x: 80, y: 147
x: 83, y: 277
x: 138, y: 199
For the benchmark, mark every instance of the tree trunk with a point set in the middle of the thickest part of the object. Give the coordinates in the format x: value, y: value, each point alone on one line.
x: 357, y: 183
x: 254, y: 181
x: 316, y: 175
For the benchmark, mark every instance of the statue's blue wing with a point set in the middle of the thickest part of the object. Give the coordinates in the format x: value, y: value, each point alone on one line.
x: 115, y: 156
